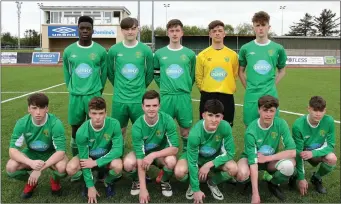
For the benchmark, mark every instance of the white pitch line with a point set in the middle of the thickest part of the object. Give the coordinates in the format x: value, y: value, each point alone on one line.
x: 108, y: 94
x: 21, y: 96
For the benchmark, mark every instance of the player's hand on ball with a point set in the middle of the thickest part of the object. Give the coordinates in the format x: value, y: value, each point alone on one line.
x: 144, y: 196
x: 92, y: 193
x: 147, y: 161
x: 255, y: 198
x: 303, y: 186
x: 37, y: 164
x: 33, y: 179
x: 198, y: 197
x: 261, y: 158
x: 306, y: 155
x: 203, y: 171
x: 88, y: 163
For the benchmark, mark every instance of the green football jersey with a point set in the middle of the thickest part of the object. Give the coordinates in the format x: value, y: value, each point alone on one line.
x: 217, y: 146
x: 174, y: 70
x: 102, y: 145
x: 260, y: 62
x: 151, y: 138
x: 46, y: 137
x: 130, y: 71
x: 320, y: 140
x: 85, y: 68
x: 258, y: 138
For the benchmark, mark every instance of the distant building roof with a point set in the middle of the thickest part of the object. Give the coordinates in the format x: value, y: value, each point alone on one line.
x: 75, y: 8
x: 308, y: 37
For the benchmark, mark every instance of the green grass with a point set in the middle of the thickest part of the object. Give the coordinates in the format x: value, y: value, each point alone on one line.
x: 294, y: 91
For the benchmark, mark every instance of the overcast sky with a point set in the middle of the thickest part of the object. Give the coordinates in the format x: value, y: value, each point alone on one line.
x: 198, y: 13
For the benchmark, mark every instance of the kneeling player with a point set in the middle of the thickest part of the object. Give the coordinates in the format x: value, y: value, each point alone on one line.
x: 44, y: 136
x: 314, y: 135
x: 210, y: 145
x: 155, y: 141
x: 100, y: 144
x: 262, y: 138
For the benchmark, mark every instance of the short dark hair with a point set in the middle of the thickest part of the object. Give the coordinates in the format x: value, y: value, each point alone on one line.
x: 268, y: 102
x: 151, y: 94
x: 173, y: 23
x: 214, y: 24
x: 317, y: 103
x: 129, y: 22
x: 97, y: 103
x: 87, y: 19
x: 214, y: 106
x: 38, y: 99
x: 261, y: 17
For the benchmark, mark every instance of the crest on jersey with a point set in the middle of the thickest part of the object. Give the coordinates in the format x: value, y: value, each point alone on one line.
x: 46, y: 133
x: 158, y: 133
x: 138, y: 54
x: 227, y: 59
x: 106, y: 137
x: 274, y: 135
x: 217, y: 138
x: 270, y: 52
x: 322, y: 133
x: 92, y: 56
x: 183, y: 57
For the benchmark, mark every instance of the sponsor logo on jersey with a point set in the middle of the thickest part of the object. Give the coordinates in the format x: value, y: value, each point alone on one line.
x: 138, y: 54
x: 39, y: 146
x: 46, y: 133
x: 227, y: 59
x: 313, y: 146
x: 218, y: 74
x: 270, y: 52
x: 183, y: 57
x: 119, y: 55
x: 92, y: 56
x: 266, y: 150
x: 174, y: 71
x: 274, y: 135
x: 130, y: 71
x: 322, y: 133
x: 150, y: 146
x: 83, y: 71
x: 106, y: 136
x: 262, y: 67
x: 99, y: 152
x: 207, y: 151
x: 164, y: 58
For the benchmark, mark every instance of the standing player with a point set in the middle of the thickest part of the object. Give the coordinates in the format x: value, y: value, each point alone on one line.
x: 100, y: 145
x: 130, y: 71
x: 44, y: 136
x: 258, y: 60
x: 314, y: 135
x: 155, y: 142
x: 85, y: 73
x: 210, y: 147
x: 174, y: 72
x: 261, y: 150
x: 216, y: 72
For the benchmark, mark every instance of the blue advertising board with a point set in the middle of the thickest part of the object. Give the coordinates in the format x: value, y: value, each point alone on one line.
x: 63, y: 31
x: 45, y: 57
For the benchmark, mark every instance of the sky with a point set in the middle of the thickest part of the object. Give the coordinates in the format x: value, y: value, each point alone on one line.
x: 199, y: 13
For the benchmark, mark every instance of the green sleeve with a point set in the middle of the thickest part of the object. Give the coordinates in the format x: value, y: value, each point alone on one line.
x: 192, y: 159
x: 282, y: 58
x: 228, y: 151
x: 250, y: 148
x: 330, y: 139
x: 138, y: 143
x: 298, y: 138
x: 66, y: 68
x: 193, y: 62
x: 82, y: 141
x: 58, y: 136
x: 171, y: 133
x: 242, y: 57
x: 111, y: 61
x: 156, y: 65
x: 149, y: 67
x: 116, y: 149
x: 288, y: 141
x: 104, y: 69
x: 17, y: 139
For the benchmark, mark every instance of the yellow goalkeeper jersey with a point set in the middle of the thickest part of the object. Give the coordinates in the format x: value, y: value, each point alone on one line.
x: 217, y: 70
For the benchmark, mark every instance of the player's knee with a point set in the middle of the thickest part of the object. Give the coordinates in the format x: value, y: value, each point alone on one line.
x: 286, y: 167
x: 180, y: 171
x: 231, y: 168
x: 116, y: 165
x: 331, y: 159
x: 184, y: 132
x: 243, y: 174
x: 61, y: 167
x: 129, y: 164
x: 12, y: 166
x: 72, y: 168
x: 170, y: 162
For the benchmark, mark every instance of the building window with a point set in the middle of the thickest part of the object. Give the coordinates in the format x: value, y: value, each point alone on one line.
x: 107, y: 17
x: 56, y: 17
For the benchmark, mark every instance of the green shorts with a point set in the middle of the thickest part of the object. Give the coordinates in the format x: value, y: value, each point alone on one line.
x: 79, y: 108
x: 178, y: 107
x: 125, y: 111
x: 250, y: 112
x: 35, y: 155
